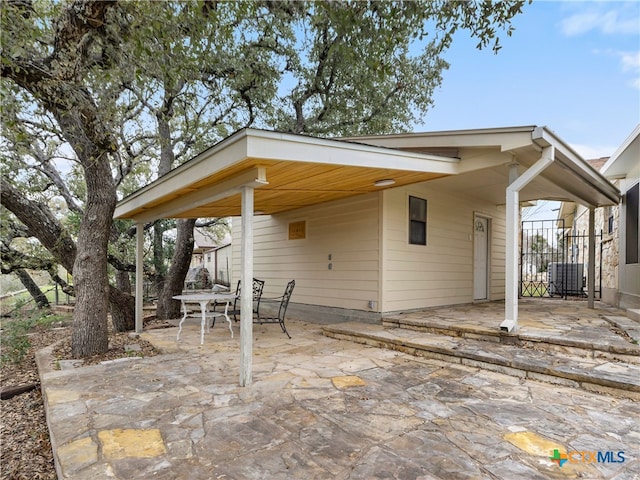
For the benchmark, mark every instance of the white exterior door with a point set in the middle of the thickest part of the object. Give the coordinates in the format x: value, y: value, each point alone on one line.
x: 480, y: 258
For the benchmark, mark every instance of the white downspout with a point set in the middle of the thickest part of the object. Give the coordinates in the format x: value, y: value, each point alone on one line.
x: 139, y: 312
x: 510, y: 323
x: 246, y: 290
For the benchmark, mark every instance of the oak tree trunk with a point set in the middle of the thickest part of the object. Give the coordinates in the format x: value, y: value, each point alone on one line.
x: 123, y: 304
x: 55, y: 81
x: 123, y: 307
x: 40, y: 224
x: 158, y: 257
x: 167, y: 307
x: 33, y: 289
x: 91, y: 283
x: 174, y: 279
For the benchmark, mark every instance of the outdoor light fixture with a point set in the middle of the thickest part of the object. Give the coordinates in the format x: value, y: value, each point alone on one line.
x: 384, y: 183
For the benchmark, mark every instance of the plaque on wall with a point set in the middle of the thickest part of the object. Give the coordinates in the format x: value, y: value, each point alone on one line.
x: 297, y: 230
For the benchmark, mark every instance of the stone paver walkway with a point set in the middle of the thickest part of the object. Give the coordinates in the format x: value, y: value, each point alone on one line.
x: 321, y: 408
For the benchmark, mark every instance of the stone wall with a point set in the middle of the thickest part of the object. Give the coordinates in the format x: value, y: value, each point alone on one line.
x: 610, y: 247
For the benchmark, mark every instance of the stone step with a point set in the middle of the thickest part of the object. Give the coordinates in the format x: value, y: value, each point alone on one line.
x: 628, y: 328
x: 593, y: 374
x: 633, y: 314
x: 616, y: 346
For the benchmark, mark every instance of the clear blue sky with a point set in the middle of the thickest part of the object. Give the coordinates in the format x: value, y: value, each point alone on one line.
x: 571, y: 66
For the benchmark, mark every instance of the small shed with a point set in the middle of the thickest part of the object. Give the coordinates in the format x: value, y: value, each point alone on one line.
x: 198, y: 278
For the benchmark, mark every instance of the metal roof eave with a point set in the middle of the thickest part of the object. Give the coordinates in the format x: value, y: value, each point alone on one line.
x: 623, y: 158
x: 597, y: 185
x: 574, y: 178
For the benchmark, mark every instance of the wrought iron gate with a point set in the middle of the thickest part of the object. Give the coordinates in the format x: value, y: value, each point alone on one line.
x: 554, y: 260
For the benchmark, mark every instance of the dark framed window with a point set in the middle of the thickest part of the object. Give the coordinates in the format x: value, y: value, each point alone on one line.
x: 609, y: 213
x: 417, y: 221
x: 631, y: 201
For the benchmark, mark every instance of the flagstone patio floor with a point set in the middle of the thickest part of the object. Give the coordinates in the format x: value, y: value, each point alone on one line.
x: 324, y: 408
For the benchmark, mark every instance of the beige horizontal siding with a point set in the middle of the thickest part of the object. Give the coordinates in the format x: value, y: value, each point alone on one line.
x: 440, y: 273
x: 400, y: 277
x: 345, y: 229
x: 498, y: 249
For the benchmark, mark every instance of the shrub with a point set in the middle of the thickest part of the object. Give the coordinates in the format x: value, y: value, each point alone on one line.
x: 15, y: 340
x: 15, y: 343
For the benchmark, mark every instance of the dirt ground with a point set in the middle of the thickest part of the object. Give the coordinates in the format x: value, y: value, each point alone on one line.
x: 24, y: 436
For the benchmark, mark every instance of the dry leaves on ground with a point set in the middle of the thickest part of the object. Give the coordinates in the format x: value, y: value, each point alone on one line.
x: 117, y: 344
x: 24, y: 435
x: 26, y: 450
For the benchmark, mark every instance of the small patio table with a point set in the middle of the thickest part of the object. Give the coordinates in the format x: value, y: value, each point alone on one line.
x: 203, y: 299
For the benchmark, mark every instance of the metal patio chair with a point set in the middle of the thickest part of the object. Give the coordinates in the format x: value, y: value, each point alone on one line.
x: 282, y: 309
x: 258, y: 287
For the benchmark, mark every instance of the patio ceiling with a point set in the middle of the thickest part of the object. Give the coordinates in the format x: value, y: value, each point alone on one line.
x: 555, y: 183
x: 287, y: 171
x: 567, y: 179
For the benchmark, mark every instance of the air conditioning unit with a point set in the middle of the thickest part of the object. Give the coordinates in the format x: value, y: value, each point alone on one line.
x: 566, y: 279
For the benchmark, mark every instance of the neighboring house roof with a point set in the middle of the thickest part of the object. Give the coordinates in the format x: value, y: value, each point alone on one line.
x: 292, y: 171
x: 219, y: 247
x: 567, y: 213
x: 597, y: 163
x: 203, y: 241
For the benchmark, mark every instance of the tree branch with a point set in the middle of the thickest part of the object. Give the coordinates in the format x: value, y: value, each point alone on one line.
x: 53, y: 174
x: 13, y: 260
x: 40, y: 223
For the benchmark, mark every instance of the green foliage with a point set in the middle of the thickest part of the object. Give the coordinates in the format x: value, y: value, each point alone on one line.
x: 9, y: 283
x: 48, y: 319
x: 539, y: 244
x: 15, y: 339
x: 208, y: 69
x: 21, y: 301
x: 15, y: 342
x: 372, y: 67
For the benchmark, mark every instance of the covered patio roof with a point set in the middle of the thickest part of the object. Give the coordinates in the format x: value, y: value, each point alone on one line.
x: 288, y: 171
x: 489, y: 153
x: 292, y: 171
